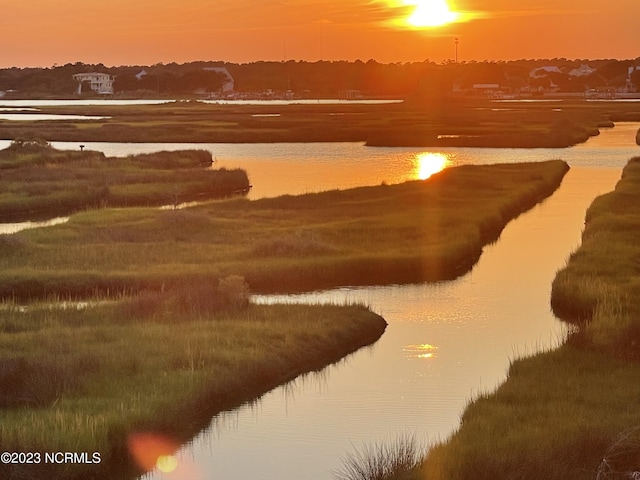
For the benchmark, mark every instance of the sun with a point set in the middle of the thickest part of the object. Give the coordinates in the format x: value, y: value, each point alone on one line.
x: 431, y: 13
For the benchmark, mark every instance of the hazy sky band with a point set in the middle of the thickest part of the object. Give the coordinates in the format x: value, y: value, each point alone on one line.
x: 123, y: 32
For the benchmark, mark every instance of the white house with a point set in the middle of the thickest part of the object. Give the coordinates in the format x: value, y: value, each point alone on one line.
x: 630, y: 86
x: 101, y: 83
x: 544, y: 71
x: 583, y: 71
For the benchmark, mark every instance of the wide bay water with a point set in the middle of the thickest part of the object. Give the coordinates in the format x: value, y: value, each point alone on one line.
x: 294, y: 168
x: 445, y: 342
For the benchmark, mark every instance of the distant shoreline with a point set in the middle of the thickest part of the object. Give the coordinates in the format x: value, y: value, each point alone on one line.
x: 419, y: 122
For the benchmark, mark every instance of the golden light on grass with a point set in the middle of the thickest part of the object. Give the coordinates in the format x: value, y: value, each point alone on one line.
x: 429, y: 163
x: 431, y: 13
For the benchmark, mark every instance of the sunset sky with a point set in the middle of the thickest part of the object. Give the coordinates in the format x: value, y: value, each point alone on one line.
x: 142, y: 32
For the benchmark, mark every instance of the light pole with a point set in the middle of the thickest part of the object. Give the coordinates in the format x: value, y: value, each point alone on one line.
x: 456, y: 41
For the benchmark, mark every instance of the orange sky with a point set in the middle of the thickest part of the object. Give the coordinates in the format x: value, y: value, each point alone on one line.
x: 142, y: 32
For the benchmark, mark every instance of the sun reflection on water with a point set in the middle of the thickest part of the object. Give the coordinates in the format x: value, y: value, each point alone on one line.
x: 429, y: 163
x: 423, y: 350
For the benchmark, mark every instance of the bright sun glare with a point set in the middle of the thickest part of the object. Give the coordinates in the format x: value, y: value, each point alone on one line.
x: 431, y: 13
x: 429, y: 163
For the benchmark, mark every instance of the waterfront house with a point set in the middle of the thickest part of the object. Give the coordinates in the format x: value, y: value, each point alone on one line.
x: 101, y: 83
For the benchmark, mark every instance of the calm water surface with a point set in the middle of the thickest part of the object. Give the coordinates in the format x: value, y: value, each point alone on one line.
x: 294, y: 168
x: 8, y: 228
x: 30, y: 117
x: 445, y: 342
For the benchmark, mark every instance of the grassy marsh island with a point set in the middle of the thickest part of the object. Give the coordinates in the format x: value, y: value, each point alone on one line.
x: 415, y: 122
x: 39, y: 181
x: 417, y: 231
x: 570, y: 413
x: 94, y: 378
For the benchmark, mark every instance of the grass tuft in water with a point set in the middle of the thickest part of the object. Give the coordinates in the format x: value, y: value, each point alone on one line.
x: 382, y: 461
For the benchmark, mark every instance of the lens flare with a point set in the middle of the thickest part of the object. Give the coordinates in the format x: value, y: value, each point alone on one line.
x: 147, y: 449
x: 166, y: 463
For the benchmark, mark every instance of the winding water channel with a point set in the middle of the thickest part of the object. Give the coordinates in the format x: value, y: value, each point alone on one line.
x: 445, y: 342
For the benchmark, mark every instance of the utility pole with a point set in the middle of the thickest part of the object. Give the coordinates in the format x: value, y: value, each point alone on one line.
x: 456, y: 41
x: 321, y: 39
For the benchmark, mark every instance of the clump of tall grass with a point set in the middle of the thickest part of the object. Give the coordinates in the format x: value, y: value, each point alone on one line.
x: 23, y: 145
x: 31, y: 384
x: 188, y: 299
x: 391, y: 460
x: 174, y: 160
x: 622, y: 459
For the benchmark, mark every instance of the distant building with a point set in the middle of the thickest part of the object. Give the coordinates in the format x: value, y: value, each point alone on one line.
x: 351, y: 94
x: 101, y: 83
x: 544, y: 71
x: 583, y: 71
x: 490, y: 90
x: 630, y: 85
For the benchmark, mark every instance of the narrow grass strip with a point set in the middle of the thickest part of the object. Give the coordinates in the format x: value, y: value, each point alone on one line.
x: 417, y: 231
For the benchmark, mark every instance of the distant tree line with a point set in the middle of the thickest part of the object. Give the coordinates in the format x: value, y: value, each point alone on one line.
x: 318, y: 79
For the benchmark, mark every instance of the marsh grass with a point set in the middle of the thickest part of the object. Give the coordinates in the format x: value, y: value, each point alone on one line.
x: 86, y: 379
x: 416, y: 231
x: 37, y: 181
x: 599, y: 285
x: 570, y: 413
x: 387, y: 460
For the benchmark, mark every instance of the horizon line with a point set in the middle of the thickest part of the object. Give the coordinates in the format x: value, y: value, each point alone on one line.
x: 429, y: 61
